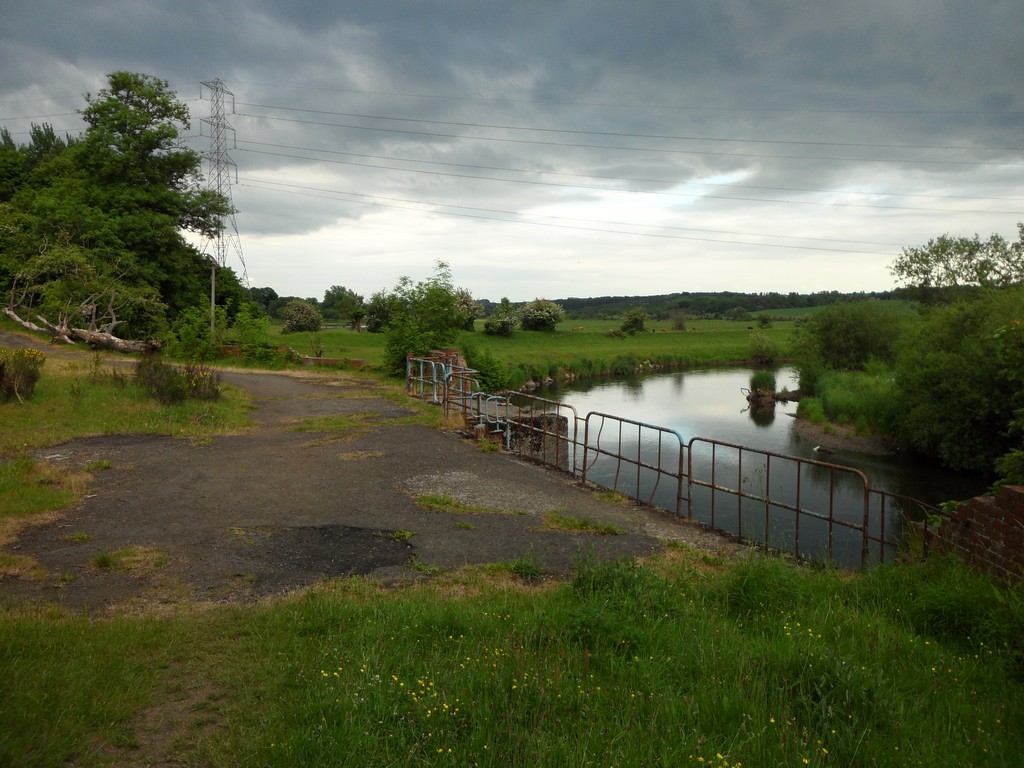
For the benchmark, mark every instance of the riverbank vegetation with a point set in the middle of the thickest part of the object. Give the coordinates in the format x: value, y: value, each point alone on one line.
x: 950, y: 391
x: 945, y: 381
x: 684, y: 660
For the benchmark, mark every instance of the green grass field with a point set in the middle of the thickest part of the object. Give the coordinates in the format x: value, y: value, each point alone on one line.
x: 581, y: 346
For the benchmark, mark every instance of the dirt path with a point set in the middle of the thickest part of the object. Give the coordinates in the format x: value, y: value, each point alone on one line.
x: 275, y: 509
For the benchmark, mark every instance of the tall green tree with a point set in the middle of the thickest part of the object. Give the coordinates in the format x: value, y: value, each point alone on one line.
x: 957, y: 262
x: 340, y: 303
x: 379, y: 309
x: 122, y: 194
x: 264, y: 297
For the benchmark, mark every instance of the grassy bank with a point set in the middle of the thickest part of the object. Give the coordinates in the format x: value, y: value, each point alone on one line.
x: 683, y: 661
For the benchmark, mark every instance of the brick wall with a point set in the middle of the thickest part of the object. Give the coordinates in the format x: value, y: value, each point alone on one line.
x: 987, y: 532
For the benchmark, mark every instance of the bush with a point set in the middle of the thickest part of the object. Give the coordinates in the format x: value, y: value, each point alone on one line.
x: 763, y: 350
x: 541, y: 315
x: 251, y: 328
x: 20, y: 369
x: 633, y: 321
x: 493, y: 375
x: 171, y: 385
x: 502, y: 325
x: 845, y: 337
x: 191, y: 339
x: 958, y: 384
x: 503, y: 321
x: 1010, y: 469
x: 764, y: 380
x: 301, y: 316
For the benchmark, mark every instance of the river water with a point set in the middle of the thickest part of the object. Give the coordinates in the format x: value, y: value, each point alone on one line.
x: 711, y: 404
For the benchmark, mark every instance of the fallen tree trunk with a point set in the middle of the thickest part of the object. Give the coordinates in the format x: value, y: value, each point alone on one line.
x: 92, y: 338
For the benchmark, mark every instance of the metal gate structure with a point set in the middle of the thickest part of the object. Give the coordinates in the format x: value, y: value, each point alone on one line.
x: 811, y: 509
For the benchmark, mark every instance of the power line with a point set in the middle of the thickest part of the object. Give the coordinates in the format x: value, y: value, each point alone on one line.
x: 652, y: 150
x: 478, y: 213
x: 877, y: 193
x: 40, y: 117
x: 536, y: 182
x: 621, y: 105
x: 627, y: 134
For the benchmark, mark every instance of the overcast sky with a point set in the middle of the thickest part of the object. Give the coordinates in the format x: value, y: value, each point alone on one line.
x: 576, y: 148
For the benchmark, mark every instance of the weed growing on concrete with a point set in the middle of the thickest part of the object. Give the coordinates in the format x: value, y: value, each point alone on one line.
x: 564, y: 522
x: 442, y: 502
x: 399, y: 535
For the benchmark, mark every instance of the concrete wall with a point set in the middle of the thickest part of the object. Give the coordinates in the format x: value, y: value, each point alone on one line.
x: 541, y: 437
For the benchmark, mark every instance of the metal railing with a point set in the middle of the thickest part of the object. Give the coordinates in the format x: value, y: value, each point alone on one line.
x: 805, y: 507
x: 637, y: 452
x: 811, y: 509
x: 423, y: 376
x: 441, y: 380
x: 489, y: 412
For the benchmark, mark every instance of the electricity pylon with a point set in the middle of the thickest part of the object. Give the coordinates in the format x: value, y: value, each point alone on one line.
x: 221, y: 171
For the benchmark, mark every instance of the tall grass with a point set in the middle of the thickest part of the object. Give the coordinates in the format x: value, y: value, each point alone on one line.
x: 679, y: 663
x: 28, y: 487
x: 866, y: 400
x: 71, y: 689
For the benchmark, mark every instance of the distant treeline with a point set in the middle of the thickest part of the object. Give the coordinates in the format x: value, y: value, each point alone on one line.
x: 719, y: 304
